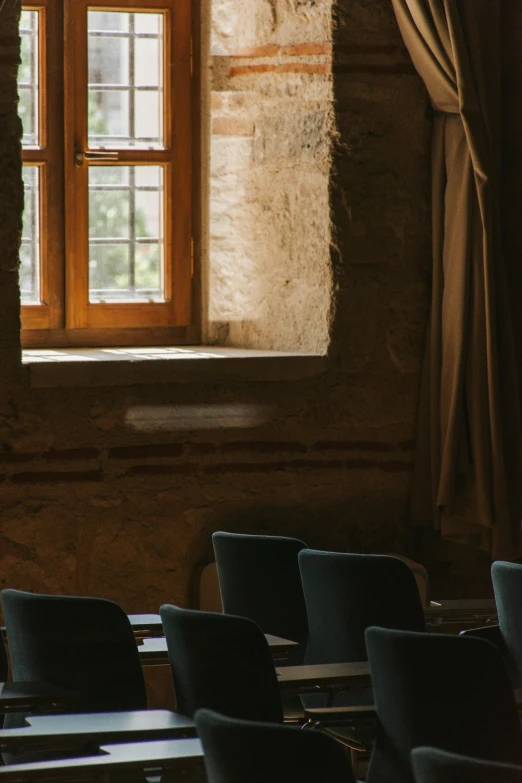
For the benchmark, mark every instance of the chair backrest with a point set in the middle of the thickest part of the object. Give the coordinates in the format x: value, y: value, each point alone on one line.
x: 221, y: 662
x: 431, y: 765
x: 4, y: 664
x: 259, y: 579
x: 346, y: 593
x: 507, y: 584
x: 450, y: 692
x: 421, y: 575
x: 237, y: 751
x: 493, y: 634
x: 82, y: 644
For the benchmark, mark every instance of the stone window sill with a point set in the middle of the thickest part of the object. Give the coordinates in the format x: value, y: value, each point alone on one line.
x: 62, y: 367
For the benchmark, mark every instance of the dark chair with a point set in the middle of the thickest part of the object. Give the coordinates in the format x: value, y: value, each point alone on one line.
x: 221, y: 662
x: 450, y: 692
x: 507, y: 584
x: 431, y: 765
x: 85, y: 645
x: 493, y: 634
x: 4, y: 664
x: 259, y: 579
x: 345, y: 594
x: 237, y: 751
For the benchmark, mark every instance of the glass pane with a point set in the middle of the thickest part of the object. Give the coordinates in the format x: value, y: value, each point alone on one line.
x: 148, y: 23
x: 30, y: 245
x: 108, y: 61
x: 147, y: 52
x: 147, y: 115
x: 28, y: 86
x: 109, y: 118
x: 125, y: 92
x: 106, y: 21
x: 126, y: 234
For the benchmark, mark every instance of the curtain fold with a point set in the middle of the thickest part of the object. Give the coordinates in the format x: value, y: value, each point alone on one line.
x: 468, y: 462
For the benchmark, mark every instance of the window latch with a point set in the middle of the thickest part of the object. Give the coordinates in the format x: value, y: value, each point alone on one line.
x: 80, y: 157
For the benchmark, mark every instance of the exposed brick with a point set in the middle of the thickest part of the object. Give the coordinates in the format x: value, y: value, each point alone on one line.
x: 271, y: 50
x: 262, y: 447
x: 317, y: 464
x: 9, y: 458
x: 395, y: 466
x: 360, y: 464
x: 362, y: 445
x: 233, y: 126
x: 163, y: 470
x: 57, y: 477
x: 306, y: 49
x: 374, y: 68
x: 246, y: 467
x: 70, y: 454
x: 367, y: 48
x: 390, y: 466
x: 142, y: 452
x: 350, y: 445
x: 406, y: 445
x: 243, y: 70
x: 203, y: 448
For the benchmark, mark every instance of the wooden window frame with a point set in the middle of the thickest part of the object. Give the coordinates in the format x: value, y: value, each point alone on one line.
x: 64, y: 316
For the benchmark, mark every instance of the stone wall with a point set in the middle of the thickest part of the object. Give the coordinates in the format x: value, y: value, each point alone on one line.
x: 320, y: 198
x: 271, y: 122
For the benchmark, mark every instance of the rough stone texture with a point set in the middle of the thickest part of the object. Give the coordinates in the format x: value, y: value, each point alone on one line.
x: 237, y: 24
x: 270, y: 277
x: 320, y: 234
x: 269, y: 271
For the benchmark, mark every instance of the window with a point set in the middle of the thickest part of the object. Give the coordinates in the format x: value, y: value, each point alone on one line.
x: 105, y: 102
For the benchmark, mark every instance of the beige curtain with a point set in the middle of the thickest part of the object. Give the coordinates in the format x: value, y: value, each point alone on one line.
x: 468, y: 463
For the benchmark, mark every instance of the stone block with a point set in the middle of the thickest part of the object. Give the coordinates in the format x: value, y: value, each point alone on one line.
x: 305, y: 136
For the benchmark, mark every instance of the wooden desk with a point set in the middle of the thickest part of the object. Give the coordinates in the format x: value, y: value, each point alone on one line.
x: 478, y: 611
x: 95, y: 728
x: 146, y: 625
x: 462, y: 606
x: 181, y: 755
x: 154, y: 652
x: 33, y: 697
x: 323, y: 677
x: 279, y: 647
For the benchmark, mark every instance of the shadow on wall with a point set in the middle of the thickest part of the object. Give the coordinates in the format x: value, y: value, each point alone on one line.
x: 380, y: 197
x: 366, y: 527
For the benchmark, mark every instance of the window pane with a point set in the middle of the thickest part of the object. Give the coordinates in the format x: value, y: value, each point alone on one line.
x: 107, y: 21
x: 28, y: 86
x: 148, y: 23
x: 108, y: 118
x: 125, y: 92
x: 126, y: 234
x: 30, y: 245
